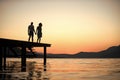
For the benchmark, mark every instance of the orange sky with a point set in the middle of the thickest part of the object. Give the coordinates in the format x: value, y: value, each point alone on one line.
x: 70, y: 26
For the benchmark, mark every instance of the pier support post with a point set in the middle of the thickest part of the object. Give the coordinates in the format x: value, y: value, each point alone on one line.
x: 5, y: 50
x: 1, y: 55
x: 23, y: 59
x: 44, y: 55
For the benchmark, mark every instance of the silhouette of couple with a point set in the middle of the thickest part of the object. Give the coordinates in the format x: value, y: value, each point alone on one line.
x: 31, y: 32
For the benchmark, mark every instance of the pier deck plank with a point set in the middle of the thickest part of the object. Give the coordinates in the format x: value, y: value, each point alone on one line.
x: 19, y: 43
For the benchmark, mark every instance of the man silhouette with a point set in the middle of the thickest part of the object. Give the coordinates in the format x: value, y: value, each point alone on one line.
x: 39, y: 32
x: 31, y: 31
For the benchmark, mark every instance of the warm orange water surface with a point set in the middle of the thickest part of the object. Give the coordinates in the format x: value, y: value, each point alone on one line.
x: 63, y: 69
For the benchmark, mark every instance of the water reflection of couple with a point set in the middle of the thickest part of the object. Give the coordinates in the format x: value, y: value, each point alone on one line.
x: 31, y: 32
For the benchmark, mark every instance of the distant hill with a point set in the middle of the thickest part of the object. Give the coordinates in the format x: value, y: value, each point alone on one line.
x: 112, y: 52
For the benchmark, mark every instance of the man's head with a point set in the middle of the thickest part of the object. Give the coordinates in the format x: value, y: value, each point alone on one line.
x: 40, y: 24
x: 31, y: 23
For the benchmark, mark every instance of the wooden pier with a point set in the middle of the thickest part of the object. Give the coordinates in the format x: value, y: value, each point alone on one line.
x: 6, y: 43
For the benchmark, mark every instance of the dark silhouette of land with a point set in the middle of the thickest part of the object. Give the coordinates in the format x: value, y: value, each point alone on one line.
x: 112, y: 52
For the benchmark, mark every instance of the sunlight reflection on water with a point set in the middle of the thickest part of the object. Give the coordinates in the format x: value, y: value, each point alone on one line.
x: 63, y: 69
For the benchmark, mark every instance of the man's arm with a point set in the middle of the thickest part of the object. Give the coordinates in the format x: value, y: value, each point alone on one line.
x: 34, y: 30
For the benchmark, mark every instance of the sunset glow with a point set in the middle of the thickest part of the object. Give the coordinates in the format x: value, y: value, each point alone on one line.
x: 71, y: 26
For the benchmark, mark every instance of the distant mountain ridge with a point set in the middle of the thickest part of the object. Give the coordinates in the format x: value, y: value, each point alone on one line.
x: 112, y: 52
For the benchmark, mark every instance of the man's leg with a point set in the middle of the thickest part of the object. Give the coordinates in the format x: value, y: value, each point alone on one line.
x: 29, y: 38
x: 32, y: 38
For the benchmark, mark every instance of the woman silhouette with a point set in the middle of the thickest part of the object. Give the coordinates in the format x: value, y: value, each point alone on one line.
x: 39, y: 32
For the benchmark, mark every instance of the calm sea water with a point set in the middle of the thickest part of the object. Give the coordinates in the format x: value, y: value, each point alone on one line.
x: 63, y: 69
